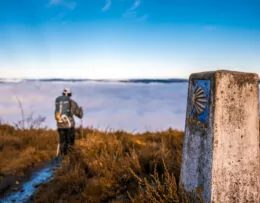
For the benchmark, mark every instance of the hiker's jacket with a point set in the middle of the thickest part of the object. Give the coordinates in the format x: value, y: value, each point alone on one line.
x: 74, y: 110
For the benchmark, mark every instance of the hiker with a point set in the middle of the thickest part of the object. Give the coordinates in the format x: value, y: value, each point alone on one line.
x: 65, y: 108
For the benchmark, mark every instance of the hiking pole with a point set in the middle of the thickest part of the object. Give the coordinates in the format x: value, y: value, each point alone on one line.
x: 58, y: 148
x: 81, y: 128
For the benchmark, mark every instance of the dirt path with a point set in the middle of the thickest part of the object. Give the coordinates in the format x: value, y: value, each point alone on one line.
x: 26, y: 190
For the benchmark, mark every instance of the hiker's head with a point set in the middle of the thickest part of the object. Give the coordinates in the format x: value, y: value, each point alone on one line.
x: 67, y: 92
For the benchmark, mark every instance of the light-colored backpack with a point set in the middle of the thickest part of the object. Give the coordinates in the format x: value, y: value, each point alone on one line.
x: 63, y: 109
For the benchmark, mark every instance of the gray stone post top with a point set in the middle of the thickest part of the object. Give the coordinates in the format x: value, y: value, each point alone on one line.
x: 243, y: 76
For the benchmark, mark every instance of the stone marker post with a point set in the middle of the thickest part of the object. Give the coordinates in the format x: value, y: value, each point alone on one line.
x: 221, y: 152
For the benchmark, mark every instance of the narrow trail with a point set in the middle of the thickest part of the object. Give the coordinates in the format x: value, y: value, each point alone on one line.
x: 28, y: 188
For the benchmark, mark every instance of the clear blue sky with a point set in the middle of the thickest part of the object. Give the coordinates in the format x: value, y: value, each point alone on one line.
x: 127, y: 38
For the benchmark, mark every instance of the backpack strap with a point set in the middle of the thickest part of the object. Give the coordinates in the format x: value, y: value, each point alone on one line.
x: 71, y: 113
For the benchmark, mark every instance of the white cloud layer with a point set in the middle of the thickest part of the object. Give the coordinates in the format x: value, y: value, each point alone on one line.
x: 131, y: 107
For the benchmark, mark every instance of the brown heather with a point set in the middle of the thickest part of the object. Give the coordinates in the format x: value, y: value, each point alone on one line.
x: 22, y: 149
x: 103, y: 166
x: 119, y: 167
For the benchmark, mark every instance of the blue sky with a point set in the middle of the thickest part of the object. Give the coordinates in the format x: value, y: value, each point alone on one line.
x: 127, y: 38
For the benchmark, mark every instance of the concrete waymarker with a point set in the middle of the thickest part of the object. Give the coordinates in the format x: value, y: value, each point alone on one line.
x: 221, y: 152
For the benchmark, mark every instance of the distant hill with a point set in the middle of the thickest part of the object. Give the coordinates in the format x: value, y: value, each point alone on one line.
x: 146, y: 81
x: 173, y: 80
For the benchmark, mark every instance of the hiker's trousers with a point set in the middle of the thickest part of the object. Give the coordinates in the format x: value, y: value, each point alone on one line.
x: 67, y: 139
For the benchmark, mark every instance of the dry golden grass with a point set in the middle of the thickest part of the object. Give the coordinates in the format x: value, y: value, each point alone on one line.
x: 103, y: 166
x: 119, y: 167
x: 21, y: 149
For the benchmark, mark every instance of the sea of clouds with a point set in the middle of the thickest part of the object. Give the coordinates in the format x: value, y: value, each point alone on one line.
x: 133, y: 107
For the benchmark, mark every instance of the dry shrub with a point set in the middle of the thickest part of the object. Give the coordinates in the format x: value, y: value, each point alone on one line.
x: 155, y: 188
x: 104, y: 167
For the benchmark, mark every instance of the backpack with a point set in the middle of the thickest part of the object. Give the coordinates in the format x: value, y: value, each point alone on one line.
x: 62, y: 109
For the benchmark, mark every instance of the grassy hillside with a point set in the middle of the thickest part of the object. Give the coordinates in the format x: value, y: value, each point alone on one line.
x: 119, y: 167
x: 103, y: 167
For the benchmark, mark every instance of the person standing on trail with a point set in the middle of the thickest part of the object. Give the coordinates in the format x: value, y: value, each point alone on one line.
x: 65, y: 109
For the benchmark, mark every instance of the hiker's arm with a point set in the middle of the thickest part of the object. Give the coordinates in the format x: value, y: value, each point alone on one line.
x: 76, y: 110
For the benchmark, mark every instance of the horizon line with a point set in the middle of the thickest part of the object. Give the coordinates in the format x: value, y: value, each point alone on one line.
x: 96, y: 79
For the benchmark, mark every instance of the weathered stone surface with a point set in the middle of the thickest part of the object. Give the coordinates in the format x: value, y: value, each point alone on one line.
x: 236, y: 156
x: 221, y: 146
